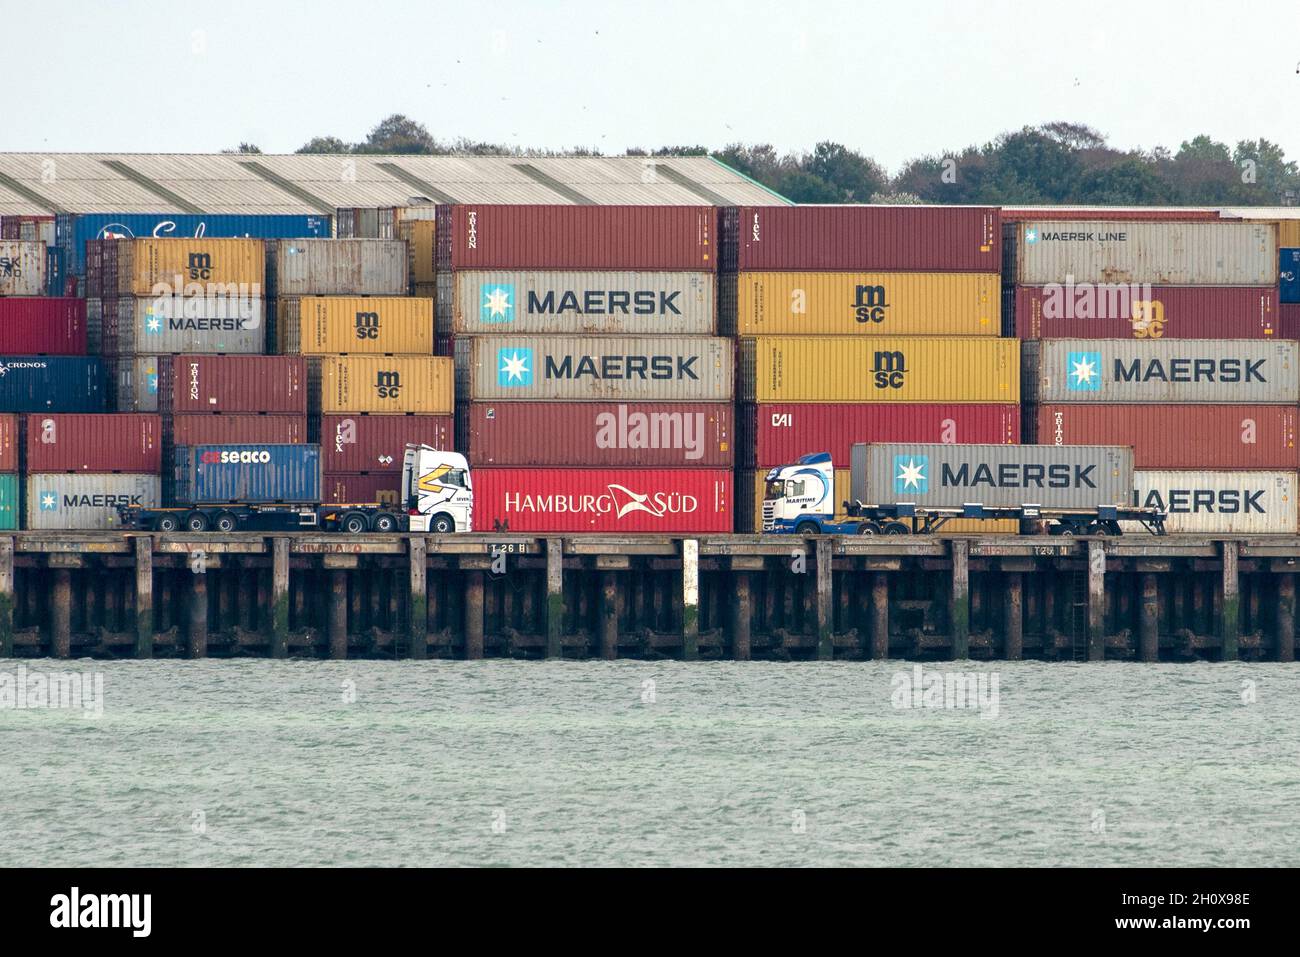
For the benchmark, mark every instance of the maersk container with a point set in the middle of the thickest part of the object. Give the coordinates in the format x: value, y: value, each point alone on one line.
x: 1208, y: 502
x: 1167, y: 371
x: 135, y: 381
x: 94, y: 443
x: 370, y: 443
x: 234, y: 427
x: 392, y: 384
x: 175, y: 324
x: 10, y: 442
x: 192, y: 267
x: 208, y: 383
x: 1075, y: 476
x: 367, y: 325
x: 52, y: 384
x: 87, y: 501
x: 356, y: 488
x: 259, y: 473
x: 1288, y: 274
x: 10, y: 484
x: 337, y: 267
x: 22, y: 268
x: 43, y: 326
x: 1163, y: 253
x: 595, y: 368
x: 1123, y: 311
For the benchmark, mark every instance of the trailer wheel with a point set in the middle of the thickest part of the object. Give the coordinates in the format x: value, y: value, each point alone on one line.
x: 896, y: 528
x: 868, y: 528
x: 442, y: 524
x: 385, y: 522
x: 225, y: 522
x: 354, y: 523
x: 167, y: 523
x: 196, y: 522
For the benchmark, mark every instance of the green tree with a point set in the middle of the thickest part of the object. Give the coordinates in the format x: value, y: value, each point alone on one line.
x: 855, y: 176
x: 399, y: 134
x: 325, y: 144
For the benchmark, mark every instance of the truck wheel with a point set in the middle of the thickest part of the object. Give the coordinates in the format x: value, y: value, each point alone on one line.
x: 196, y: 522
x: 442, y: 525
x: 807, y: 528
x: 868, y: 528
x: 167, y: 523
x: 354, y: 524
x: 225, y: 522
x: 897, y: 528
x: 385, y: 522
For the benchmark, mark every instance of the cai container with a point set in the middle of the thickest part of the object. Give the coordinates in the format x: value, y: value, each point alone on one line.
x: 1211, y: 502
x: 102, y: 442
x: 380, y: 488
x: 336, y: 267
x: 192, y: 267
x: 174, y: 324
x: 247, y: 473
x: 87, y: 500
x: 207, y: 383
x: 52, y: 384
x: 1124, y: 311
x: 406, y: 384
x: 235, y: 428
x: 43, y: 325
x: 22, y: 268
x: 376, y: 443
x: 381, y: 325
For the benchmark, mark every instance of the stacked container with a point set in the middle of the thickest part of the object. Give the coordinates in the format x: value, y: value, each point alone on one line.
x: 10, y: 481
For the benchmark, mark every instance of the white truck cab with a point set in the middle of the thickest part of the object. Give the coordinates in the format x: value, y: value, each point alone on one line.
x: 800, y: 497
x: 438, y: 490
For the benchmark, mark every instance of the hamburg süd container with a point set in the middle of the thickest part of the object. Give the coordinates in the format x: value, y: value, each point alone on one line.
x: 1211, y: 502
x: 234, y: 268
x: 380, y: 488
x: 10, y: 508
x: 22, y: 268
x: 87, y: 500
x: 374, y: 325
x: 376, y: 443
x: 208, y: 383
x: 336, y: 267
x: 1124, y: 311
x: 172, y: 324
x: 244, y: 473
x: 44, y: 325
x: 385, y: 384
x: 10, y: 442
x: 52, y: 384
x: 96, y: 442
x: 228, y: 428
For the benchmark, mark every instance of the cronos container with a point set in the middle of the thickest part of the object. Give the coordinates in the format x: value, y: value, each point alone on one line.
x: 235, y: 427
x: 22, y: 268
x: 43, y: 325
x: 662, y: 501
x: 337, y: 267
x: 94, y: 443
x: 9, y: 443
x: 590, y: 368
x: 380, y: 488
x: 1122, y: 311
x: 876, y: 238
x: 87, y: 501
x: 258, y: 473
x: 578, y: 237
x: 156, y: 267
x: 1167, y: 371
x: 369, y: 443
x: 386, y: 384
x: 601, y: 434
x: 206, y: 383
x: 902, y: 369
x: 51, y: 384
x: 172, y: 324
x: 1163, y: 253
x: 1205, y: 502
x: 324, y: 325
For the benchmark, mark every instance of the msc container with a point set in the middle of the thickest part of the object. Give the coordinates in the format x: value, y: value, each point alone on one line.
x: 234, y: 428
x: 94, y: 443
x: 840, y: 303
x: 1167, y: 371
x: 775, y: 434
x: 51, y: 384
x: 577, y: 237
x: 1180, y: 436
x: 206, y: 383
x: 362, y: 443
x: 1162, y: 253
x: 903, y: 369
x: 171, y: 324
x: 43, y: 325
x: 622, y: 368
x: 10, y: 487
x: 337, y: 267
x: 421, y: 237
x: 9, y: 443
x: 192, y: 267
x: 1123, y: 311
x: 1075, y: 476
x: 135, y: 382
x: 81, y: 500
x: 661, y: 501
x: 1288, y: 275
x: 382, y: 488
x: 22, y: 268
x: 386, y: 384
x: 258, y: 473
x: 321, y: 325
x: 601, y: 434
x: 876, y: 238
x: 1205, y: 502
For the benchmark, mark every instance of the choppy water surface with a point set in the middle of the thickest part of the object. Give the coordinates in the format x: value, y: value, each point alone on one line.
x: 530, y: 763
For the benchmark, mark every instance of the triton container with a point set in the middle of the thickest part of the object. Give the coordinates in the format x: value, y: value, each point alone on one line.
x: 43, y: 326
x: 385, y: 384
x: 336, y: 267
x: 87, y: 501
x: 1124, y: 311
x: 51, y: 384
x: 368, y: 443
x: 94, y: 443
x: 206, y: 383
x: 376, y: 325
x: 247, y: 474
x: 1205, y: 502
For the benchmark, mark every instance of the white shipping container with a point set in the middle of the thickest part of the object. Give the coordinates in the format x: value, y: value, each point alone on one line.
x: 183, y: 324
x: 22, y: 268
x: 86, y: 501
x: 1205, y: 502
x: 336, y: 267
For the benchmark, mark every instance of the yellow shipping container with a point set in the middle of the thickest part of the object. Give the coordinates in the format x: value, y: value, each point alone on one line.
x: 367, y: 325
x: 386, y: 384
x: 896, y: 369
x: 420, y: 236
x: 1288, y: 231
x: 851, y: 303
x: 238, y: 266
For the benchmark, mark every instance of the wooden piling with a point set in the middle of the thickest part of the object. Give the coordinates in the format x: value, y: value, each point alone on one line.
x: 1284, y: 644
x: 197, y: 633
x: 1096, y: 601
x: 338, y: 614
x: 144, y: 597
x: 959, y: 600
x: 879, y: 615
x: 1014, y: 641
x: 742, y: 614
x: 825, y: 594
x: 417, y: 609
x: 1149, y: 628
x: 1230, y: 602
x: 279, y: 638
x: 608, y: 615
x: 690, y: 599
x: 473, y: 613
x: 6, y: 597
x: 61, y: 614
x: 554, y: 597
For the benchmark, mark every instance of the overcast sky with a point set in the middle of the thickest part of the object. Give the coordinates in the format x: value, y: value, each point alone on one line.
x: 894, y: 80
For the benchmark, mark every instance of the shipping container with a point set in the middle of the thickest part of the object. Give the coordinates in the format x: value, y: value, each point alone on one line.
x: 10, y: 442
x: 842, y: 303
x: 363, y: 443
x: 94, y: 276
x: 10, y: 491
x: 902, y: 369
x: 875, y: 238
x: 337, y: 267
x: 421, y: 237
x: 87, y: 501
x: 22, y: 268
x: 375, y: 325
x: 1164, y: 371
x: 601, y: 434
x: 257, y: 473
x: 366, y: 222
x: 1162, y: 253
x: 1180, y: 436
x: 384, y: 384
x: 1019, y: 214
x: 52, y: 384
x: 382, y: 488
x: 227, y: 428
x: 1207, y: 502
x: 1289, y: 275
x: 591, y: 368
x: 32, y: 228
x: 1288, y: 230
x: 206, y: 383
x: 135, y: 382
x: 234, y: 268
x: 43, y: 326
x: 1122, y: 311
x: 94, y: 326
x: 96, y: 442
x: 174, y: 324
x: 660, y: 501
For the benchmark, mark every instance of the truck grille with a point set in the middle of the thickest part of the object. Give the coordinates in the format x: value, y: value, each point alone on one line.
x: 769, y: 516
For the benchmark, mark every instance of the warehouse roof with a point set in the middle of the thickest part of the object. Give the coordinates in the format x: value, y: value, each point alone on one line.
x: 36, y: 184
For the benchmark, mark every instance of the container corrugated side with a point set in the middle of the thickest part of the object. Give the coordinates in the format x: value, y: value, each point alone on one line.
x: 45, y: 325
x: 10, y: 443
x: 421, y: 236
x: 337, y: 267
x: 1122, y: 311
x: 174, y: 324
x: 87, y: 501
x: 95, y: 442
x: 10, y: 500
x: 363, y: 443
x: 325, y: 325
x: 158, y: 267
x: 387, y: 384
x: 264, y: 473
x: 1288, y: 230
x: 1208, y: 502
x: 235, y: 428
x: 135, y: 382
x: 382, y: 488
x: 1288, y: 275
x: 22, y: 268
x: 208, y: 383
x: 52, y: 384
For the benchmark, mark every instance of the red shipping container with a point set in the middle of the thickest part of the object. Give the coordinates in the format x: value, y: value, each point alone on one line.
x: 360, y: 443
x: 9, y: 443
x: 774, y: 434
x: 661, y: 501
x: 601, y: 434
x: 1288, y: 320
x: 199, y: 383
x: 384, y: 488
x: 902, y: 238
x: 1019, y: 214
x: 578, y: 237
x: 1085, y: 311
x: 1180, y: 436
x: 236, y: 429
x: 31, y: 325
x: 97, y: 442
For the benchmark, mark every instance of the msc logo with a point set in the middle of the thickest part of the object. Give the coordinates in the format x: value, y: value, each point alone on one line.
x: 1084, y: 373
x: 1031, y: 235
x: 388, y: 385
x: 888, y: 370
x: 514, y: 367
x: 367, y: 324
x: 200, y: 265
x: 498, y: 303
x: 1148, y: 319
x: 911, y: 474
x: 869, y: 303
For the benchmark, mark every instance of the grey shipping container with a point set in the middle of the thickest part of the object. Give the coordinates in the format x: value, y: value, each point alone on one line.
x: 22, y: 268
x: 174, y: 324
x: 1053, y: 476
x: 568, y: 368
x: 1165, y: 370
x: 94, y: 326
x: 1212, y: 502
x: 336, y: 267
x: 135, y: 383
x: 86, y: 501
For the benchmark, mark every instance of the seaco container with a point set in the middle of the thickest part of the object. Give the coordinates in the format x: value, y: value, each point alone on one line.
x: 22, y: 268
x: 1206, y: 502
x: 94, y: 443
x: 903, y: 369
x: 189, y: 267
x: 171, y: 324
x: 1075, y: 476
x: 206, y: 383
x: 43, y: 326
x: 386, y: 384
x: 234, y: 427
x: 1160, y: 253
x: 840, y: 303
x: 662, y: 501
x: 366, y: 443
x: 1121, y: 311
x: 336, y: 267
x: 322, y: 325
x: 1288, y: 275
x: 1167, y: 371
x: 9, y: 443
x: 86, y: 500
x: 381, y: 488
x: 621, y: 368
x: 672, y: 238
x: 257, y: 473
x: 601, y: 434
x: 876, y: 238
x: 780, y: 433
x: 51, y: 384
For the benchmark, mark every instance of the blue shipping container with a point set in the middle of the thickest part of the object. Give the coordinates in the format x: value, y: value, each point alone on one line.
x: 73, y: 230
x: 52, y: 384
x: 53, y: 271
x: 211, y: 474
x: 1288, y: 287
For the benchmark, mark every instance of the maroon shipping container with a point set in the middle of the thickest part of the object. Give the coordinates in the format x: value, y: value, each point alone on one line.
x: 97, y: 442
x: 198, y: 383
x: 94, y: 268
x: 236, y: 429
x: 361, y: 443
x: 9, y: 442
x: 661, y: 501
x: 1086, y: 311
x: 601, y: 434
x: 1180, y: 436
x: 1019, y: 214
x: 1288, y: 320
x: 578, y: 237
x: 778, y: 433
x: 880, y: 238
x: 361, y: 487
x: 32, y: 325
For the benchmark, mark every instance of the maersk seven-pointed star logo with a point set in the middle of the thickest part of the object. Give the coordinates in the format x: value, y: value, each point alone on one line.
x: 49, y: 502
x: 152, y: 324
x: 497, y: 302
x: 1031, y: 235
x: 1083, y: 371
x: 514, y: 367
x: 910, y: 474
